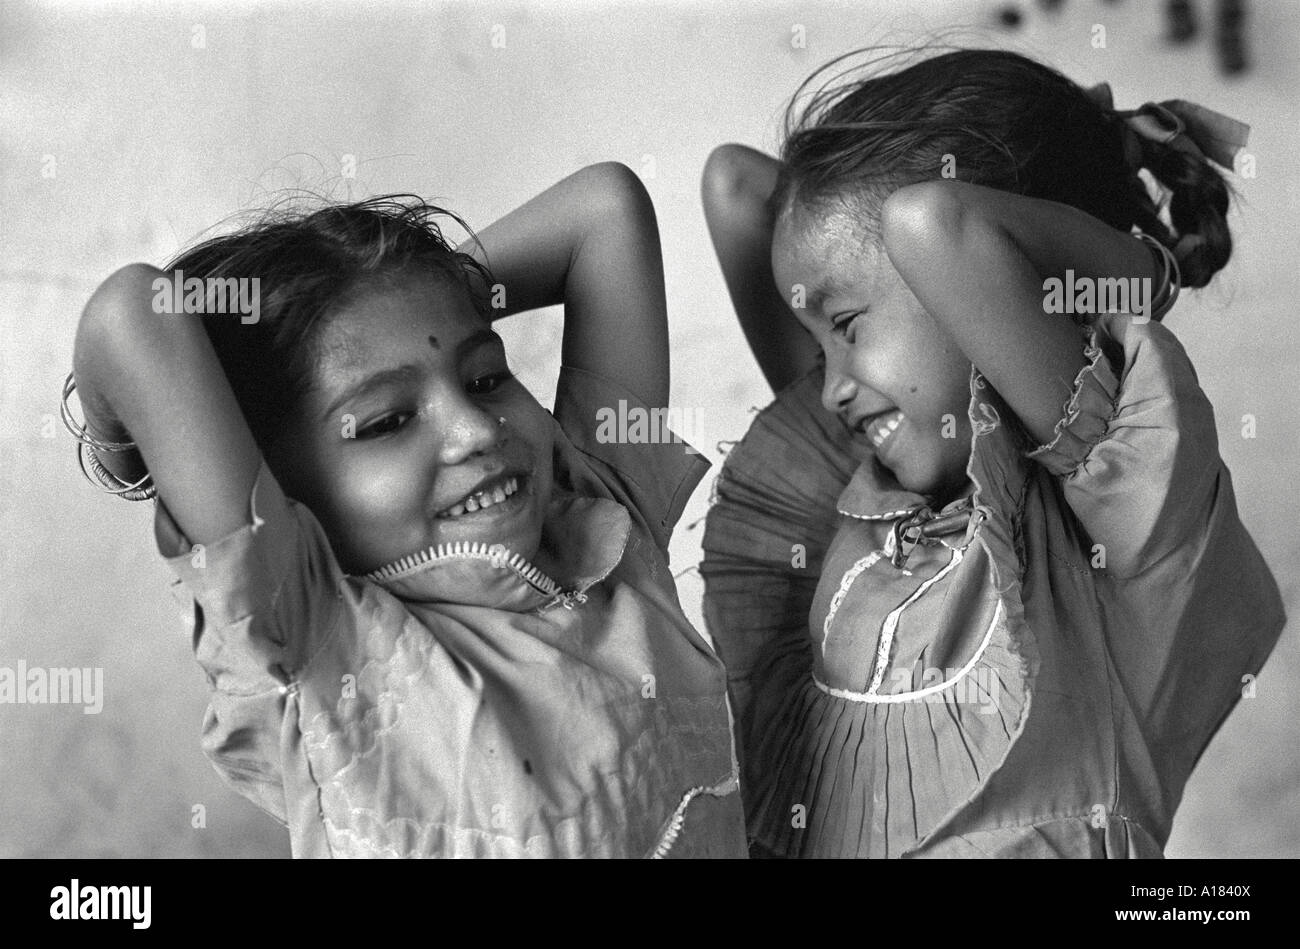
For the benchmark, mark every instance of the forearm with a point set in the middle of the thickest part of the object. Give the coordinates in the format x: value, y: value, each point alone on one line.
x: 736, y: 190
x: 155, y: 379
x: 1051, y: 237
x: 977, y: 258
x: 544, y: 251
x: 590, y: 242
x: 98, y: 371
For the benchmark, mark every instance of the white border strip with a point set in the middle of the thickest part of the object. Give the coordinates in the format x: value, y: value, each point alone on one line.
x: 873, y: 698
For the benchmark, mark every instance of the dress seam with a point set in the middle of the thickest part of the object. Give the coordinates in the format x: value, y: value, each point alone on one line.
x: 317, y: 790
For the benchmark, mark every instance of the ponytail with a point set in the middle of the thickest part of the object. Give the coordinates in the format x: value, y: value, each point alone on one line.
x: 1198, y: 210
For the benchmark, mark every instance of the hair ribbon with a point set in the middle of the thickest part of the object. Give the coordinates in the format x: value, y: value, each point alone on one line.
x: 1179, y: 124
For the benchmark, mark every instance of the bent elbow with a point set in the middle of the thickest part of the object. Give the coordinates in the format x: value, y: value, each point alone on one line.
x: 735, y: 181
x: 724, y: 173
x: 114, y: 310
x: 923, y: 220
x: 617, y: 189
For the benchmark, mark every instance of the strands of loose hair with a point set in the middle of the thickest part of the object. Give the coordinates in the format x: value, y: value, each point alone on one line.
x: 874, y: 120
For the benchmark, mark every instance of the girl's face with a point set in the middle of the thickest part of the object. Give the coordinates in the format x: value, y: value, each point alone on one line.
x: 398, y: 445
x: 893, y: 374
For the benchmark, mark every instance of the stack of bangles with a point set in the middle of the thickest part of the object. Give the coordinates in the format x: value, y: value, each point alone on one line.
x: 105, y: 480
x: 1171, y: 277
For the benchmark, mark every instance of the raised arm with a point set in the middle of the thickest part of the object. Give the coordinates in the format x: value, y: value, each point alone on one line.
x: 737, y: 183
x: 976, y: 258
x: 153, y: 378
x: 590, y: 242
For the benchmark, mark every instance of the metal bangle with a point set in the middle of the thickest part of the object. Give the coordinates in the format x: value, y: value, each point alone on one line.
x: 79, y: 431
x: 1172, y: 282
x: 106, y: 481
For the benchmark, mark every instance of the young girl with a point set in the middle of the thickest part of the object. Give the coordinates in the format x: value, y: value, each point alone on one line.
x: 977, y: 575
x: 436, y: 620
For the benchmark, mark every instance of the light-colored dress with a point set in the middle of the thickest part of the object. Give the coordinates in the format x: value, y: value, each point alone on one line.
x: 460, y: 702
x: 1038, y: 681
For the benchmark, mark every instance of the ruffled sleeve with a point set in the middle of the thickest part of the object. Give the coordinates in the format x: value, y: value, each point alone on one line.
x: 1093, y: 395
x: 265, y: 597
x: 1086, y: 416
x: 1136, y: 447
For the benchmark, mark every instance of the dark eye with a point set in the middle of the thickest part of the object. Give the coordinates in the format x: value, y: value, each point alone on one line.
x: 384, y: 426
x: 843, y: 324
x: 490, y: 383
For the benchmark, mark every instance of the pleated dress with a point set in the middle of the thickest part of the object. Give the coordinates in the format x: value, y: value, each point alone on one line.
x: 1036, y: 677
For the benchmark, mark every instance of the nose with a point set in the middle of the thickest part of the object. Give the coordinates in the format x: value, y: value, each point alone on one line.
x: 467, y: 430
x: 838, y: 390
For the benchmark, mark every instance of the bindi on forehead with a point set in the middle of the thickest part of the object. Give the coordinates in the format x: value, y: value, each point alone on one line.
x: 433, y: 341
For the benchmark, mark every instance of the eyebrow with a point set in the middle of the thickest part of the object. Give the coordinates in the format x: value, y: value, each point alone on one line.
x: 481, y: 337
x: 823, y: 293
x: 405, y: 372
x: 372, y: 383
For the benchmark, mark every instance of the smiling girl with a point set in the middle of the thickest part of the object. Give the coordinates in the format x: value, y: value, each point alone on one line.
x: 977, y: 574
x: 436, y: 619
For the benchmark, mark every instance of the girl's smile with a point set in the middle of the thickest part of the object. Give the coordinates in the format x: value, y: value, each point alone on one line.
x: 416, y: 433
x: 492, y: 493
x: 893, y: 375
x: 880, y: 427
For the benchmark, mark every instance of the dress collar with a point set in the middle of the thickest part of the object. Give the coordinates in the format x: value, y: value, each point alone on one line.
x: 873, y: 494
x: 994, y: 467
x: 583, y: 540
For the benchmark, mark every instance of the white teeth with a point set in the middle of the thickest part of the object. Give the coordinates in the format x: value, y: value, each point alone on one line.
x: 882, y: 427
x: 483, y: 499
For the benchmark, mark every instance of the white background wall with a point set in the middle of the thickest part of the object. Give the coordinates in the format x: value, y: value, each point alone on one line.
x: 156, y: 137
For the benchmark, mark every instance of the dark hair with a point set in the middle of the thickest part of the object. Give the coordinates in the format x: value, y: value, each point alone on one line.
x: 1006, y: 122
x: 310, y: 263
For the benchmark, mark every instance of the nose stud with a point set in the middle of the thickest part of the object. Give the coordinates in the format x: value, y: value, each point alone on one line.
x: 501, y: 420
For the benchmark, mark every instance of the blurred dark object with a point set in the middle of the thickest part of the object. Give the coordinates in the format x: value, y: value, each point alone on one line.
x: 1231, y: 37
x: 1229, y: 34
x: 1181, y: 27
x: 1180, y: 21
